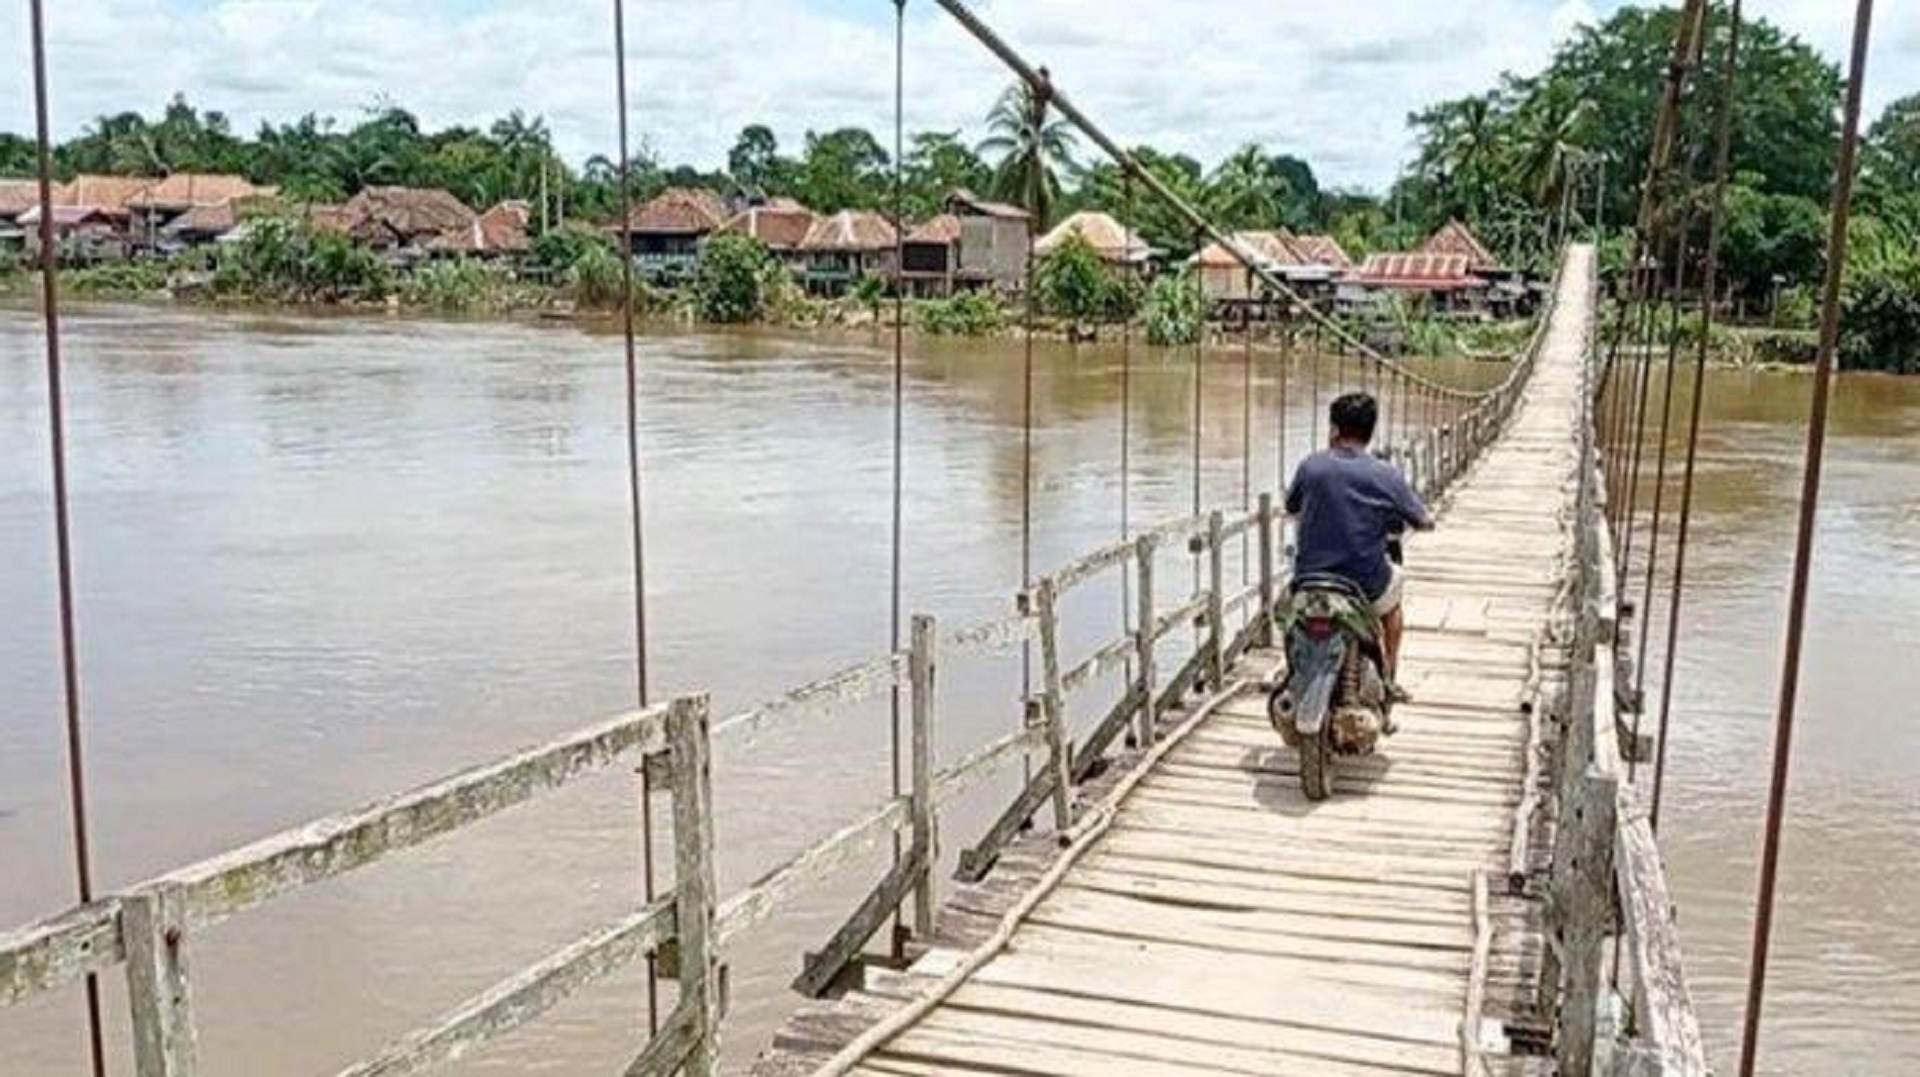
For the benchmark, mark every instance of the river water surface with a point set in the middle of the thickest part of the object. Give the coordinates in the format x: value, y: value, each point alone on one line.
x: 321, y: 560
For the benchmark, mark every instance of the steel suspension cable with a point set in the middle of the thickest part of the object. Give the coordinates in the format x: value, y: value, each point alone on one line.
x: 1127, y: 612
x: 1645, y: 611
x: 635, y: 503
x: 1246, y: 431
x: 1028, y: 316
x: 1710, y: 287
x: 1671, y: 295
x: 1803, y: 542
x: 62, y: 517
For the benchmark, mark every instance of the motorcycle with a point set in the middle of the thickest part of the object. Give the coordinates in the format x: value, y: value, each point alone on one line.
x: 1334, y: 699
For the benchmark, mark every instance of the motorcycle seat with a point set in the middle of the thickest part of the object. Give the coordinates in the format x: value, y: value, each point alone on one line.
x: 1329, y: 582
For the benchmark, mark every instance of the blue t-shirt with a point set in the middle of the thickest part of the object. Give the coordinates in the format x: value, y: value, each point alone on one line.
x: 1348, y: 502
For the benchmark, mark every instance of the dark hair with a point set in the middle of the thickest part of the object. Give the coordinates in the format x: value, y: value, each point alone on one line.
x: 1354, y: 415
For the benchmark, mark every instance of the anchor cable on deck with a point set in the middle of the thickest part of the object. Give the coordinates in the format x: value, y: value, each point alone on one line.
x: 62, y: 516
x: 1803, y: 542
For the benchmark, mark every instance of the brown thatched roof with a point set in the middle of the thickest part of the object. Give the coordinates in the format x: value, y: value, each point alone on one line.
x: 500, y: 230
x: 782, y: 224
x: 404, y: 214
x: 1108, y: 237
x: 183, y: 190
x: 943, y: 230
x: 1270, y: 248
x: 1454, y: 237
x: 1322, y: 250
x: 108, y: 193
x: 680, y: 211
x: 325, y: 218
x: 850, y: 230
x: 213, y: 220
x: 17, y: 196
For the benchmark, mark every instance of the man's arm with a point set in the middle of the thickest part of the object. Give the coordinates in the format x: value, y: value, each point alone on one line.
x: 1411, y: 508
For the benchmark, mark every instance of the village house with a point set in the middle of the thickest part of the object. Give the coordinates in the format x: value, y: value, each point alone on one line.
x: 1225, y: 279
x: 499, y: 233
x: 152, y: 210
x: 1507, y: 290
x: 403, y: 223
x: 81, y: 234
x: 781, y: 226
x: 993, y: 244
x: 930, y: 257
x: 668, y: 229
x: 1441, y: 283
x: 842, y: 249
x: 1116, y: 244
x: 16, y: 197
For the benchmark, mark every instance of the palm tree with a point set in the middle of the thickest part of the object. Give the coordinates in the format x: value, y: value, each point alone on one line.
x: 1031, y: 150
x: 1463, y: 154
x: 1550, y: 138
x: 1248, y: 190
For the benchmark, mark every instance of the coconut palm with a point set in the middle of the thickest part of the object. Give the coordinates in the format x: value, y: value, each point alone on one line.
x: 1248, y: 190
x: 1549, y: 138
x: 1031, y: 151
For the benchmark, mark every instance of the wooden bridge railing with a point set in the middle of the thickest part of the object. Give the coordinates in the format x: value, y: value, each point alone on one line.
x: 149, y: 929
x: 1608, y: 904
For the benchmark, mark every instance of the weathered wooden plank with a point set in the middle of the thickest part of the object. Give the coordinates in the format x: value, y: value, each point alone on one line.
x: 217, y: 888
x: 525, y: 995
x: 49, y: 954
x: 984, y: 762
x: 1145, y: 658
x: 673, y: 1046
x: 1109, y: 657
x: 923, y: 666
x: 1053, y: 707
x: 694, y: 891
x: 1086, y: 567
x: 862, y: 837
x: 1002, y: 634
x: 864, y: 681
x: 1664, y: 1020
x: 159, y: 992
x: 821, y: 969
x: 1216, y: 599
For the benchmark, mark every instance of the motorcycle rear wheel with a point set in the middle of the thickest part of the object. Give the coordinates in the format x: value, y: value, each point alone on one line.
x: 1316, y: 765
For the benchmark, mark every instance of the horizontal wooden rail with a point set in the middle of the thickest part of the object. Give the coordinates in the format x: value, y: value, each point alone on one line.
x: 867, y: 680
x: 526, y: 995
x: 859, y: 838
x: 991, y: 637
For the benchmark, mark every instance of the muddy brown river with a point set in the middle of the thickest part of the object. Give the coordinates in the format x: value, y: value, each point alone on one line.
x: 322, y: 559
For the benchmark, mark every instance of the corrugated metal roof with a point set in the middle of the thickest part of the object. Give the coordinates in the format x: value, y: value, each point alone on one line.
x: 1417, y: 270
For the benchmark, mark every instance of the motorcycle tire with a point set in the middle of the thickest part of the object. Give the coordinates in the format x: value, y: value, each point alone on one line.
x: 1316, y: 765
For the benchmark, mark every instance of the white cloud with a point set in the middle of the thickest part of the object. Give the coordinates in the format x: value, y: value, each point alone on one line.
x: 1331, y: 82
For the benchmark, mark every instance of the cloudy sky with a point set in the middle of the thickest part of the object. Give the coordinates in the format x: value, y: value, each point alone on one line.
x: 1331, y: 80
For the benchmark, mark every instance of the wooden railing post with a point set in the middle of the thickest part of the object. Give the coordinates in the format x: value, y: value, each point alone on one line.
x: 689, y: 736
x: 153, y: 927
x: 1216, y: 600
x: 923, y: 659
x: 1267, y: 530
x: 1145, y: 615
x: 1053, y: 702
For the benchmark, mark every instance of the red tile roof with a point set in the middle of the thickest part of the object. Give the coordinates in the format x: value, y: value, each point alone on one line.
x: 1273, y: 248
x: 19, y: 195
x: 405, y: 213
x: 1456, y: 238
x: 1322, y: 250
x: 1440, y: 272
x: 500, y: 230
x: 183, y: 190
x: 963, y: 199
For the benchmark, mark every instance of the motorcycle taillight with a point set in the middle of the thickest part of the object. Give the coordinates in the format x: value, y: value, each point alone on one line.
x: 1319, y: 627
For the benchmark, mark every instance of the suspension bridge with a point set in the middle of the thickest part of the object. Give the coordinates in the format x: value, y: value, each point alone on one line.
x: 1485, y: 895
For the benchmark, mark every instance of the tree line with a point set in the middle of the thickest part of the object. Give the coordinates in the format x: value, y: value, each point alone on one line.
x: 1526, y: 162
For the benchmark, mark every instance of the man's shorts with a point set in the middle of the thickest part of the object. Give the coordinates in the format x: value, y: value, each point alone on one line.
x: 1389, y: 599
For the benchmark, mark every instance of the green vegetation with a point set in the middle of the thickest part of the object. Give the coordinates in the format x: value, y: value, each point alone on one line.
x: 1074, y: 284
x: 729, y: 288
x: 283, y: 260
x: 1521, y: 163
x: 115, y: 279
x: 969, y: 314
x: 1175, y: 312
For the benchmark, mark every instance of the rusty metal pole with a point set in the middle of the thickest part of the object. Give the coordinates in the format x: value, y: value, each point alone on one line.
x: 648, y: 882
x: 62, y: 518
x: 1803, y: 543
x: 897, y: 534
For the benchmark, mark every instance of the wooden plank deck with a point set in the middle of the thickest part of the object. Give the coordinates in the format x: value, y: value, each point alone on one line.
x: 1214, y: 921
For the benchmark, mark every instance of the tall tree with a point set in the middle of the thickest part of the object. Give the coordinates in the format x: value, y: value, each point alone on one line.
x: 1032, y: 151
x: 754, y: 162
x: 937, y: 163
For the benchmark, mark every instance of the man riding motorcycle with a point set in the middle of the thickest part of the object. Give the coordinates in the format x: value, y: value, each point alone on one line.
x: 1348, y: 505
